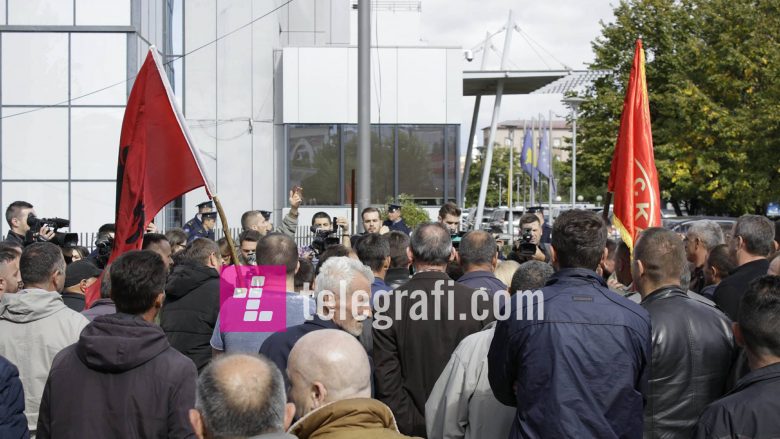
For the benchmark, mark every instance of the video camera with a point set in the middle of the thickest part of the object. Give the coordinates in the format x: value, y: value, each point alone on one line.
x: 324, y: 239
x: 527, y: 248
x: 60, y: 239
x: 103, y: 245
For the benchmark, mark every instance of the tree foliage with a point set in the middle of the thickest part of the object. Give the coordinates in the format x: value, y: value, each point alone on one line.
x: 713, y: 73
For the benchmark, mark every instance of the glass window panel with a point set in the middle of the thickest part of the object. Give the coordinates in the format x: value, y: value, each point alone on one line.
x: 102, y: 12
x: 48, y: 198
x: 313, y: 154
x: 92, y: 205
x: 382, y: 144
x: 2, y: 11
x: 35, y: 145
x: 453, y: 160
x: 40, y: 75
x: 95, y: 142
x: 421, y: 162
x: 40, y: 12
x: 97, y: 61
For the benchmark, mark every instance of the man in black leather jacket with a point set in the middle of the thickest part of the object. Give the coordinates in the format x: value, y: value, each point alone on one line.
x: 693, y: 346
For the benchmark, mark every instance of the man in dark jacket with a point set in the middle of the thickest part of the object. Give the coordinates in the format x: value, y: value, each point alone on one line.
x: 398, y: 273
x: 575, y: 357
x: 122, y: 378
x: 410, y: 352
x: 752, y: 238
x: 751, y: 409
x: 13, y: 423
x: 686, y: 330
x: 341, y: 313
x: 192, y: 301
x: 479, y: 257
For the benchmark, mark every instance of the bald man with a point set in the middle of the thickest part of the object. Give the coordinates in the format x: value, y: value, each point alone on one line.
x: 331, y: 389
x: 241, y: 396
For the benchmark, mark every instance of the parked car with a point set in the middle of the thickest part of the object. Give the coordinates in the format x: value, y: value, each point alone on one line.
x: 499, y: 221
x: 681, y: 224
x: 486, y: 215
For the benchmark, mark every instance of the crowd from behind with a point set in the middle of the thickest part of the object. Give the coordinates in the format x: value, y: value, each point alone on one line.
x: 677, y: 337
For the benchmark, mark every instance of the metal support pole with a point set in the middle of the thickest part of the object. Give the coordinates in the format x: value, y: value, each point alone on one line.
x: 510, y: 180
x: 364, y: 106
x: 473, y: 130
x: 493, y: 124
x: 550, y: 169
x: 574, y: 161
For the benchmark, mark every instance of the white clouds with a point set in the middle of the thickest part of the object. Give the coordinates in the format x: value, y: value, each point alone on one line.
x: 565, y: 28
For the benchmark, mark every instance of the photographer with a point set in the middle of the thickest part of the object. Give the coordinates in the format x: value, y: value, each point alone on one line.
x: 325, y: 234
x: 17, y: 215
x: 528, y: 247
x: 103, y: 245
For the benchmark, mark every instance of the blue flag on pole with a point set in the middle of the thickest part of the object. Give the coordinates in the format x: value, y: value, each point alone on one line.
x: 527, y: 155
x: 545, y: 158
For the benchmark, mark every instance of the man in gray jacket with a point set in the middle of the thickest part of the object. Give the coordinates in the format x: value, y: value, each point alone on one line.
x: 461, y: 404
x: 35, y: 322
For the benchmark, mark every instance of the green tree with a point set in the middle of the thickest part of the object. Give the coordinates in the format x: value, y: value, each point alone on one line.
x: 712, y: 72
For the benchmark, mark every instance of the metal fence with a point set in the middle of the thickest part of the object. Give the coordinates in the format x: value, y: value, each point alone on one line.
x: 303, y: 236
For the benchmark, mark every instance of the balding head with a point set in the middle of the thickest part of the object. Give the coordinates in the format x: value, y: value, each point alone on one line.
x: 478, y: 251
x: 431, y: 245
x: 327, y: 366
x: 240, y: 396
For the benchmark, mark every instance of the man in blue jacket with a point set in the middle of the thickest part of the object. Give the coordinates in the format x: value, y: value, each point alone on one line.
x: 574, y: 358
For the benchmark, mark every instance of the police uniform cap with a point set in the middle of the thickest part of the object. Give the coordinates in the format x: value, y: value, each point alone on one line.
x: 209, y: 204
x: 210, y: 215
x: 393, y: 207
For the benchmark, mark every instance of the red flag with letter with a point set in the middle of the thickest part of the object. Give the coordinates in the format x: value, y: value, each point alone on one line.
x: 634, y: 178
x: 157, y: 160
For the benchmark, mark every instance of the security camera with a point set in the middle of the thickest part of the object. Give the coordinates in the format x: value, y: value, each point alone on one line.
x: 469, y: 55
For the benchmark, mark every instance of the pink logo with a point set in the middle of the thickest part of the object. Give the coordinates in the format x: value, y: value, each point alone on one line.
x: 253, y: 298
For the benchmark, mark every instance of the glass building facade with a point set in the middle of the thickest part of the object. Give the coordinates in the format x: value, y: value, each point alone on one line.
x: 67, y: 68
x: 418, y: 160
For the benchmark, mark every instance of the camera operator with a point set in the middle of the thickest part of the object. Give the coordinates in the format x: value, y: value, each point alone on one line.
x: 104, y: 242
x: 326, y: 233
x: 16, y: 215
x: 528, y: 246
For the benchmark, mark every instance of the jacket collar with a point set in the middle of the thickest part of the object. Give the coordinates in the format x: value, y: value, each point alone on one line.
x: 347, y: 414
x: 431, y: 275
x: 758, y: 265
x: 576, y: 275
x: 756, y: 376
x: 664, y: 292
x: 477, y: 274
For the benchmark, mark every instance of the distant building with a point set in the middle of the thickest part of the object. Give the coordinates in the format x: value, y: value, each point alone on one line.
x: 561, y: 135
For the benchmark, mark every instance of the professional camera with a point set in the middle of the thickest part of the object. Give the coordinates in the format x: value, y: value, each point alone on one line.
x: 456, y: 238
x: 61, y: 239
x: 527, y: 248
x: 323, y: 239
x: 103, y: 245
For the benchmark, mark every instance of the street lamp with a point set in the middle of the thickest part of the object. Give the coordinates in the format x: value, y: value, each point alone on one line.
x: 573, y: 103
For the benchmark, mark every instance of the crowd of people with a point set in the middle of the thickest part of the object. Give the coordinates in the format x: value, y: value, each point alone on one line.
x: 569, y: 334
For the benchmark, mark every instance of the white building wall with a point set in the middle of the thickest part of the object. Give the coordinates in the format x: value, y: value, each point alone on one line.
x: 419, y: 85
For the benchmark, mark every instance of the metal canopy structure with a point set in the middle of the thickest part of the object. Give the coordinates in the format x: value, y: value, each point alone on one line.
x: 516, y: 82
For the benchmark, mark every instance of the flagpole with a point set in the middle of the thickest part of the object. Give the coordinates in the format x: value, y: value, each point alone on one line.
x: 550, y: 168
x: 533, y: 160
x: 226, y: 229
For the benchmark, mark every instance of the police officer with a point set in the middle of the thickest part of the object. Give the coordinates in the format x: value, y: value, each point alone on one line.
x: 394, y: 220
x: 195, y: 228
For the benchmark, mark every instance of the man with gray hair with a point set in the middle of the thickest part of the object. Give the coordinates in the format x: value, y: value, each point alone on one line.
x: 36, y: 324
x: 343, y: 288
x: 331, y: 390
x: 412, y: 348
x: 751, y: 241
x: 241, y: 396
x: 461, y: 404
x: 701, y: 238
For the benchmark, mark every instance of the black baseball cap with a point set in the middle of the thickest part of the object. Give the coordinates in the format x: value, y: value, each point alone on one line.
x: 80, y: 270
